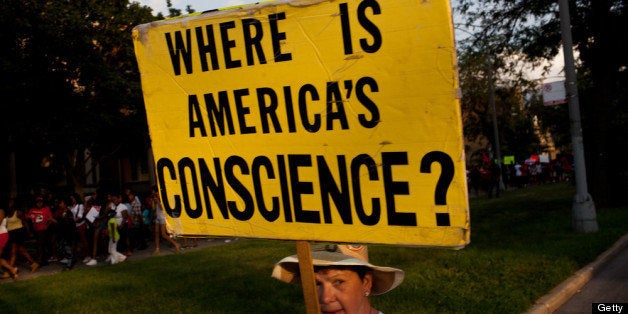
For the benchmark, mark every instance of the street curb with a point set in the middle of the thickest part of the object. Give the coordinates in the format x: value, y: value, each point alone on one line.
x: 550, y: 302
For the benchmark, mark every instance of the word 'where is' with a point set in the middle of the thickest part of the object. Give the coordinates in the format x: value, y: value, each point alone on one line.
x: 203, y: 42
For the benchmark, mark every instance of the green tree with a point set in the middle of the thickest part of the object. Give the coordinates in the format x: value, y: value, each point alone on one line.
x: 70, y: 83
x: 531, y: 29
x: 479, y: 67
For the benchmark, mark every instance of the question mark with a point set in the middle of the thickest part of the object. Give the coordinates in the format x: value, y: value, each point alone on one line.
x: 446, y: 175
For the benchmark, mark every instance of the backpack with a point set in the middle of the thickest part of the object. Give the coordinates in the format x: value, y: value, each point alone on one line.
x: 148, y: 215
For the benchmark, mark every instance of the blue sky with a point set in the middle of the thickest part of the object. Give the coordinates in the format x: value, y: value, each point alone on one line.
x: 198, y: 5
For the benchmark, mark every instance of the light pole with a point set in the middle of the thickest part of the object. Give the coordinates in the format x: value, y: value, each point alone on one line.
x: 491, y: 84
x: 583, y: 209
x: 495, y: 129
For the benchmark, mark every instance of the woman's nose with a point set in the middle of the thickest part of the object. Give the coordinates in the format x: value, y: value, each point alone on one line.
x: 326, y: 293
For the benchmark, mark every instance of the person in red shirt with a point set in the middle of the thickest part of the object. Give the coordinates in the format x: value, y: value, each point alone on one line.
x: 40, y: 217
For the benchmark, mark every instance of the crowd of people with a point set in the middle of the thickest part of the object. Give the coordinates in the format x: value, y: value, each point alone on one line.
x: 70, y: 229
x: 485, y: 176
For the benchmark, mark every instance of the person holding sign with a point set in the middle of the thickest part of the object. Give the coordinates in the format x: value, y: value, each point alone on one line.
x: 344, y: 277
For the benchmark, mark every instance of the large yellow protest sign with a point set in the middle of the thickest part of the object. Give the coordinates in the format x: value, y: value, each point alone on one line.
x: 309, y: 120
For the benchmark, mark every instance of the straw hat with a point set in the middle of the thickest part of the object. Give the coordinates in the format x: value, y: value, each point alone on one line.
x: 384, y: 278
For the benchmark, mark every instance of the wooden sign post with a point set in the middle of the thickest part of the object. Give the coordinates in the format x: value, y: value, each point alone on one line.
x: 308, y: 283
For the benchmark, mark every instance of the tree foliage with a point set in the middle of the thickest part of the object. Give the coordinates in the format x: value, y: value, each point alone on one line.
x: 514, y: 119
x: 531, y: 29
x: 70, y: 81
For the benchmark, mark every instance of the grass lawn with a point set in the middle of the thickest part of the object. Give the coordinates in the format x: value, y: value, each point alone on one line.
x: 522, y: 245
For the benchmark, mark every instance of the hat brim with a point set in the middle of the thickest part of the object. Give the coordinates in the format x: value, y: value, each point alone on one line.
x: 384, y: 278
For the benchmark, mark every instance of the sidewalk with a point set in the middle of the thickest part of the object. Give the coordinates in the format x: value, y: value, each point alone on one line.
x: 165, y: 249
x: 603, y: 280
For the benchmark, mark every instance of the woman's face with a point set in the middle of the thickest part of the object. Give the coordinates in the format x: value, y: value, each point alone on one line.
x: 341, y: 291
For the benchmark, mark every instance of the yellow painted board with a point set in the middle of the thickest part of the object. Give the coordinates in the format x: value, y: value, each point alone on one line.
x: 309, y: 120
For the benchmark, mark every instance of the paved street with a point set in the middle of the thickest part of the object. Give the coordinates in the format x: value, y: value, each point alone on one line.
x: 605, y: 280
x: 610, y: 285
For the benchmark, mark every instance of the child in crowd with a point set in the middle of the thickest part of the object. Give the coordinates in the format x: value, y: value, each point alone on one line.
x: 114, y: 236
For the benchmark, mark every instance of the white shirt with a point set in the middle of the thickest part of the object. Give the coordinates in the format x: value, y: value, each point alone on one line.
x: 119, y: 209
x: 78, y: 211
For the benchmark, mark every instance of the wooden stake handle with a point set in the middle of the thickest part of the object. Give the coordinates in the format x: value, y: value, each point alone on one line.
x: 306, y: 268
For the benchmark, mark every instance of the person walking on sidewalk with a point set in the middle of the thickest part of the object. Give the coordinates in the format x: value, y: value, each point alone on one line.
x: 495, y: 174
x: 160, y: 223
x: 77, y: 207
x: 97, y: 219
x: 68, y: 234
x: 18, y: 234
x: 4, y: 238
x: 123, y: 220
x: 137, y: 237
x: 41, y: 218
x: 114, y: 237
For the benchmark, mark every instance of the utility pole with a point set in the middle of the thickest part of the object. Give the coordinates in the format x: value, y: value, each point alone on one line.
x: 495, y: 128
x: 583, y: 209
